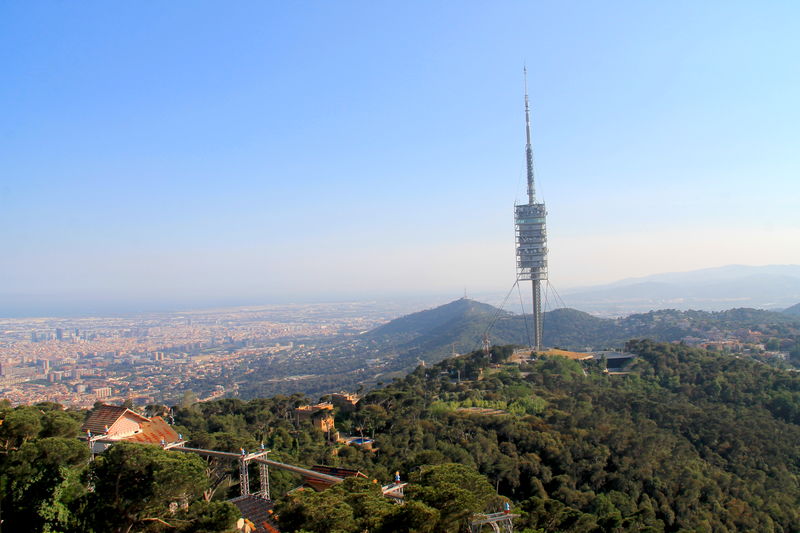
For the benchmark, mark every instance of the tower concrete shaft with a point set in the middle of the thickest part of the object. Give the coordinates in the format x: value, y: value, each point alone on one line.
x: 536, y: 312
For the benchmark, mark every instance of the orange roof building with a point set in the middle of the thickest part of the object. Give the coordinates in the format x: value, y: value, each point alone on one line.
x: 110, y: 423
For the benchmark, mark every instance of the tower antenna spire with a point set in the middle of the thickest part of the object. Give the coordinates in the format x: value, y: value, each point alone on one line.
x: 528, y: 147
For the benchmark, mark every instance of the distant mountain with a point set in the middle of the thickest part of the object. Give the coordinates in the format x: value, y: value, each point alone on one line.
x: 793, y: 310
x: 710, y: 289
x: 427, y: 322
x: 464, y: 322
x: 433, y: 334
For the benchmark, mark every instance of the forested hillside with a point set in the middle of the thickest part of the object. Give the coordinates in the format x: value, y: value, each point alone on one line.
x: 433, y: 334
x: 690, y: 441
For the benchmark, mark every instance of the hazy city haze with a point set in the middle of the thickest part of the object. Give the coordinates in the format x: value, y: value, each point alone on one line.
x: 201, y: 152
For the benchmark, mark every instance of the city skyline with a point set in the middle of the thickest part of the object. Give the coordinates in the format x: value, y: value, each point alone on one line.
x: 278, y: 152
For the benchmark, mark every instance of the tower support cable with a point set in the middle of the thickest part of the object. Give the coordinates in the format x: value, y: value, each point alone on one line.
x: 524, y: 320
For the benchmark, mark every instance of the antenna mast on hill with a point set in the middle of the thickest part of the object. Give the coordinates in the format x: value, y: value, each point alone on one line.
x: 531, y: 235
x: 528, y: 146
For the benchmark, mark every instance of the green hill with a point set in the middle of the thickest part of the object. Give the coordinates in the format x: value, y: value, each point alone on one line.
x: 691, y: 441
x: 429, y: 321
x: 432, y: 335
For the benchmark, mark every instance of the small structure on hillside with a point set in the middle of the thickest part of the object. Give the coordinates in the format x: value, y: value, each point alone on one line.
x: 345, y: 401
x: 502, y: 522
x: 320, y: 415
x: 395, y: 490
x: 616, y: 362
x: 108, y: 424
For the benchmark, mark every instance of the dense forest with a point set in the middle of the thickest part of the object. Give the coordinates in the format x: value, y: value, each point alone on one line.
x: 48, y: 482
x: 690, y: 440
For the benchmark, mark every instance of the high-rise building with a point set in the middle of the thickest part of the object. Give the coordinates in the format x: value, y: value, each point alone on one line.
x: 59, y: 334
x: 102, y: 392
x: 531, y: 235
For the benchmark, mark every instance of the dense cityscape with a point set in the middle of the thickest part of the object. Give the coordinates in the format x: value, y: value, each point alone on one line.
x: 154, y: 358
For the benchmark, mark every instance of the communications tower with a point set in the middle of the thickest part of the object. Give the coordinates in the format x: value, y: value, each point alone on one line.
x: 531, y: 235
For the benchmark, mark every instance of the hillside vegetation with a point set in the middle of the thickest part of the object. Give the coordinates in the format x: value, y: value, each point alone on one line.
x: 433, y: 334
x: 691, y: 441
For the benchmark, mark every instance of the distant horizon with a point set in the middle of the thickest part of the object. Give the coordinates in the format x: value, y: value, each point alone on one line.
x: 71, y: 306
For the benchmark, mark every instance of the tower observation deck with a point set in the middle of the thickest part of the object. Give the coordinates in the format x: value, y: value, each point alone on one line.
x: 531, y: 235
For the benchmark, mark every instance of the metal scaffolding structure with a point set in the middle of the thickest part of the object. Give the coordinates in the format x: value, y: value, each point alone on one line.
x: 260, y: 458
x: 244, y: 474
x: 499, y: 522
x: 244, y: 477
x: 263, y: 476
x: 531, y: 236
x: 395, y: 491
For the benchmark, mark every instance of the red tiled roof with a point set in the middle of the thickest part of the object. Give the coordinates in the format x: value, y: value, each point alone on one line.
x: 105, y: 416
x: 257, y: 511
x: 154, y: 431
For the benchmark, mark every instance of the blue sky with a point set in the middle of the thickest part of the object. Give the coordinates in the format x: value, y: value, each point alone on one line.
x: 279, y: 150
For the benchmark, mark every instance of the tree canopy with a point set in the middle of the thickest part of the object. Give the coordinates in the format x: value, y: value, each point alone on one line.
x: 690, y: 440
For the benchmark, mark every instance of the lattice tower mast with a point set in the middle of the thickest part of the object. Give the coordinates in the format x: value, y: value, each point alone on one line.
x: 531, y: 235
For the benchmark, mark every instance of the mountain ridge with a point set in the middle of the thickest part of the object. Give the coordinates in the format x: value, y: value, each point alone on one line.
x: 712, y: 289
x: 460, y: 326
x: 793, y: 310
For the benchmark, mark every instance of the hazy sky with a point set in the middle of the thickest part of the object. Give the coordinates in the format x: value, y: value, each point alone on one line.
x: 301, y: 149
